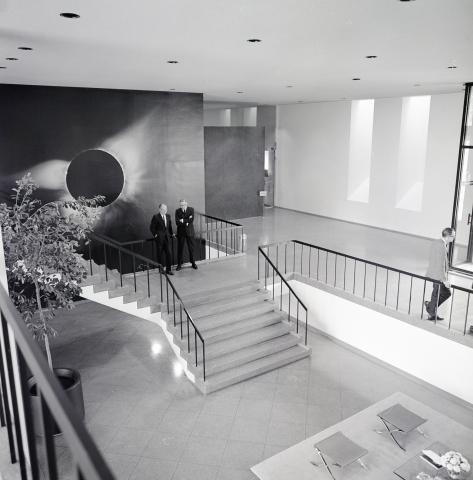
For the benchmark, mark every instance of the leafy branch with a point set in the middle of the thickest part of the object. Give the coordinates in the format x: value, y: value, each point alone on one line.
x: 40, y: 242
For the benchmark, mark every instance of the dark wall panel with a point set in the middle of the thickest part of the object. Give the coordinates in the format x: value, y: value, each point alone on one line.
x: 156, y: 138
x: 234, y: 171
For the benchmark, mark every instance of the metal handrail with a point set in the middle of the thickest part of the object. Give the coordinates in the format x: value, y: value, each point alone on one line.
x: 150, y: 239
x: 55, y: 405
x: 290, y: 289
x: 219, y: 219
x: 378, y: 266
x: 114, y: 244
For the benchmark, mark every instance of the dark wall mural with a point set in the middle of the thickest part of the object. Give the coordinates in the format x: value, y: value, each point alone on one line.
x: 138, y: 148
x: 234, y: 171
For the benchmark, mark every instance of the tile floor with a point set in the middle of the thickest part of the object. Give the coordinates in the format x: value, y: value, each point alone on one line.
x: 151, y: 423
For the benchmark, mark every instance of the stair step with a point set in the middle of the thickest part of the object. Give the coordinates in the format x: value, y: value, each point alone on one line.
x: 155, y: 308
x: 234, y: 315
x: 92, y: 280
x: 251, y: 353
x: 120, y: 291
x: 226, y: 304
x: 254, y: 368
x: 134, y: 296
x: 148, y: 301
x: 229, y: 345
x: 200, y: 298
x: 110, y: 284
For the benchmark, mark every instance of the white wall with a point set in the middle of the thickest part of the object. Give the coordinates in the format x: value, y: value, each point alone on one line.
x: 313, y: 144
x: 230, y: 117
x: 423, y: 354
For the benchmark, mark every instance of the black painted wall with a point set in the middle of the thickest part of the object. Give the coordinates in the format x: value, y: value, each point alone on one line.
x: 156, y: 137
x: 234, y: 171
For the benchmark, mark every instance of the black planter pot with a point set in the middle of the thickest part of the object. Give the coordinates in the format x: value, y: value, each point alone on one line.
x: 72, y: 385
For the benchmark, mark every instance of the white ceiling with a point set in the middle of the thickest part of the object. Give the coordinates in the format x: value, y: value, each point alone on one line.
x: 317, y: 46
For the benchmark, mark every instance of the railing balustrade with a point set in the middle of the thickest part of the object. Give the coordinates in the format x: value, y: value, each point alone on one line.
x: 391, y: 287
x: 21, y: 358
x: 215, y: 238
x: 112, y: 258
x: 271, y: 276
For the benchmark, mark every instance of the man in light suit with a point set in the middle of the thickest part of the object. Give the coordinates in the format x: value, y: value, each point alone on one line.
x: 185, y: 232
x: 161, y: 229
x: 438, y: 270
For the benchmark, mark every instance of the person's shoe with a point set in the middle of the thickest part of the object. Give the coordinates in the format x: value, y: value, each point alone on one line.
x: 169, y: 272
x: 433, y: 319
x: 194, y: 266
x: 178, y: 268
x: 426, y: 303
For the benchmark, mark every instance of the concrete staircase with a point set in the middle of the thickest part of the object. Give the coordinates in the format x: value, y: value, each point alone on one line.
x: 245, y: 333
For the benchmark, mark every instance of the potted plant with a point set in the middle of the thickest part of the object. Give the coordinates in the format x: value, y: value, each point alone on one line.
x: 43, y: 269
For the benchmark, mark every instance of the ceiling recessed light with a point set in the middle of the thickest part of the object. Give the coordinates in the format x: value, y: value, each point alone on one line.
x: 69, y: 15
x: 254, y: 40
x: 25, y: 48
x: 12, y: 59
x: 451, y: 67
x: 371, y: 56
x: 356, y: 78
x: 172, y: 61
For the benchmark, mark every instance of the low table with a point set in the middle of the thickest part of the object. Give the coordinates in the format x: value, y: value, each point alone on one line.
x: 383, y: 456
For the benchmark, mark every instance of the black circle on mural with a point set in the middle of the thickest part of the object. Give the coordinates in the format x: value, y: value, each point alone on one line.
x: 95, y: 172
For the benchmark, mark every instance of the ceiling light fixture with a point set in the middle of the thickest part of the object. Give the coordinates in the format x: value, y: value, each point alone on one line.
x: 69, y: 15
x: 25, y: 48
x: 254, y: 40
x: 370, y: 57
x: 239, y: 92
x: 172, y: 61
x: 356, y: 78
x: 12, y: 59
x: 451, y: 67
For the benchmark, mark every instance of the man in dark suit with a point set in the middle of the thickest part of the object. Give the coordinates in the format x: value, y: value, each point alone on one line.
x: 161, y: 228
x: 185, y: 232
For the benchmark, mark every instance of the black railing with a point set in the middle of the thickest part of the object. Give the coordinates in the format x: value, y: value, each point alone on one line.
x: 271, y: 278
x: 214, y: 238
x: 156, y: 284
x: 21, y: 358
x: 389, y: 286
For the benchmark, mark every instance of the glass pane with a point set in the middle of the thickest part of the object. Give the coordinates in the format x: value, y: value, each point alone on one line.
x: 469, y: 123
x: 461, y: 253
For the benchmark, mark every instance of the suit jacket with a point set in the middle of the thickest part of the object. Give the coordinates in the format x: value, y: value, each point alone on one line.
x: 438, y: 261
x: 185, y: 228
x: 158, y: 229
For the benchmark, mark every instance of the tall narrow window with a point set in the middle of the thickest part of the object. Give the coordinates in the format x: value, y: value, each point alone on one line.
x: 412, y: 152
x: 359, y: 160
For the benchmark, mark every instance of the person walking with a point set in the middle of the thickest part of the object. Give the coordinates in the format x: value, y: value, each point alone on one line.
x: 185, y: 232
x: 438, y: 270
